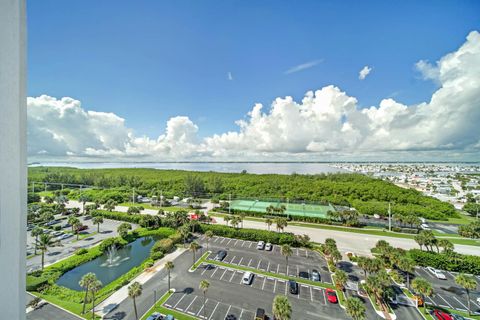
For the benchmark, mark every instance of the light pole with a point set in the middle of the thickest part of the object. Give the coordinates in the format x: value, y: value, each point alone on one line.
x: 229, y: 202
x: 389, y: 218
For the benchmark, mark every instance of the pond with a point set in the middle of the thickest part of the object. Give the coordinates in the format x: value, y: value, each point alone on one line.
x: 111, y: 264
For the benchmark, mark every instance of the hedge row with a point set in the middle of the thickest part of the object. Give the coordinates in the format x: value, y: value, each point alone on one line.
x: 250, y: 234
x: 33, y: 283
x: 450, y: 261
x: 120, y: 216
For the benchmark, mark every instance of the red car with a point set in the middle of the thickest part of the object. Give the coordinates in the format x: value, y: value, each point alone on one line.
x: 81, y: 228
x: 440, y: 315
x: 331, y: 296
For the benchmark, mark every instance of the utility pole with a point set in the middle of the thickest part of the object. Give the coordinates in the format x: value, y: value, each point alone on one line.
x: 133, y: 195
x: 389, y: 218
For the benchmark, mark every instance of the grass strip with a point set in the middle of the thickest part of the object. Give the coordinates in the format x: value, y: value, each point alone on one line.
x: 453, y: 311
x: 202, y: 259
x: 158, y: 307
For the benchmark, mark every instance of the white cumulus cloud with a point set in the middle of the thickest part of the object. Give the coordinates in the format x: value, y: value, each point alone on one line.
x: 326, y: 124
x: 364, y: 72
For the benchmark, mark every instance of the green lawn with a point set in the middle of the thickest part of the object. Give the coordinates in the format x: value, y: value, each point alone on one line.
x: 158, y: 307
x: 464, y: 219
x: 71, y: 306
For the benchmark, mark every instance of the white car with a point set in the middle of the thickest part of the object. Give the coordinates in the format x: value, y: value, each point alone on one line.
x: 425, y: 226
x: 268, y: 246
x: 437, y: 273
x: 247, y: 278
x: 260, y: 245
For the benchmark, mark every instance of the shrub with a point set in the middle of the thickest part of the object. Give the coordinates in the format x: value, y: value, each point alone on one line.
x: 449, y: 261
x: 107, y: 243
x: 33, y: 283
x: 176, y: 238
x: 57, y: 228
x: 148, y: 264
x: 156, y: 255
x: 119, y: 216
x: 163, y: 245
x: 251, y: 234
x: 81, y: 251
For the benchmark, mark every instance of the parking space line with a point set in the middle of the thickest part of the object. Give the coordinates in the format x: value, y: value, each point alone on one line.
x: 214, y: 309
x: 431, y: 301
x: 226, y: 314
x: 306, y: 253
x: 275, y: 285
x: 297, y: 271
x: 231, y: 261
x: 203, y: 305
x: 216, y: 239
x: 258, y: 265
x: 204, y: 269
x: 194, y: 298
x: 471, y: 300
x: 268, y: 267
x: 211, y: 276
x: 229, y: 241
x: 297, y: 251
x: 438, y: 295
x: 244, y: 243
x: 287, y: 271
x: 240, y: 317
x: 235, y: 243
x: 286, y: 285
x: 263, y: 285
x: 231, y: 278
x: 223, y: 239
x: 240, y: 262
x: 250, y: 244
x: 324, y: 297
x: 460, y: 303
x: 311, y: 294
x: 223, y: 274
x: 278, y: 266
x: 249, y: 262
x: 175, y: 306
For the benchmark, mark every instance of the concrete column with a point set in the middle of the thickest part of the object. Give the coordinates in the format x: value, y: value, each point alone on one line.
x: 13, y: 146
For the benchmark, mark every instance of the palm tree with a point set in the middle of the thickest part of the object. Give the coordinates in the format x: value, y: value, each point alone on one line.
x: 227, y: 218
x: 44, y: 241
x: 110, y: 205
x: 72, y: 221
x: 355, y: 308
x: 169, y: 266
x: 94, y: 288
x: 406, y: 265
x: 76, y: 226
x: 286, y: 251
x: 97, y: 220
x: 362, y: 263
x: 268, y: 222
x: 446, y: 245
x: 468, y: 283
x: 36, y: 232
x: 83, y: 199
x: 194, y: 246
x: 423, y: 287
x: 86, y: 281
x: 204, y: 284
x: 241, y: 217
x: 208, y: 236
x: 281, y: 308
x: 134, y: 291
x: 341, y: 278
x: 185, y: 233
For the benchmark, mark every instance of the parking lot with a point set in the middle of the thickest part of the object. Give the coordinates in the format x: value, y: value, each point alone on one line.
x: 245, y: 253
x: 446, y: 293
x: 68, y: 246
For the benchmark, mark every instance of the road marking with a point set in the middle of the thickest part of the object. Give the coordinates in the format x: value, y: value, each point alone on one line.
x: 286, y: 286
x: 223, y: 274
x: 216, y: 268
x: 194, y: 298
x: 268, y: 267
x: 264, y: 279
x: 203, y: 305
x: 460, y: 303
x: 214, y: 309
x: 297, y: 271
x: 311, y: 294
x: 324, y: 297
x: 249, y: 262
x: 216, y: 239
x: 231, y: 261
x: 278, y: 266
x: 297, y: 252
x: 250, y: 244
x: 275, y: 285
x: 231, y: 278
x: 179, y: 300
x: 306, y: 252
x: 258, y: 265
x: 431, y: 301
x: 475, y: 303
x: 229, y: 241
x: 223, y: 240
x: 226, y: 314
x: 240, y: 262
x: 438, y: 295
x: 240, y: 317
x: 243, y: 243
x: 204, y: 269
x: 235, y: 243
x: 287, y: 271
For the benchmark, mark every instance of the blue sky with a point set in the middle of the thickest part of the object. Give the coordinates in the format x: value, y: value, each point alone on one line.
x: 149, y: 61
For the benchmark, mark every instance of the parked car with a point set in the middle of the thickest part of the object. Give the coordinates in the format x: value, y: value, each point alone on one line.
x: 331, y: 296
x: 260, y: 245
x: 82, y: 227
x: 155, y: 316
x: 51, y: 223
x: 457, y: 317
x: 315, y: 275
x: 221, y: 254
x: 169, y: 317
x: 303, y: 274
x: 47, y: 230
x: 260, y: 314
x: 293, y: 286
x: 65, y: 236
x: 66, y: 225
x: 247, y: 278
x: 30, y: 227
x: 440, y: 315
x: 268, y: 247
x: 437, y: 273
x: 425, y: 226
x: 57, y: 233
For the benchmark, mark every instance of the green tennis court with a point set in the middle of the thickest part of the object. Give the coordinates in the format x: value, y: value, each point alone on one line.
x: 294, y: 209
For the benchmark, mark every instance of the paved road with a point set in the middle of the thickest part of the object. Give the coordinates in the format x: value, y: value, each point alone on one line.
x: 346, y: 241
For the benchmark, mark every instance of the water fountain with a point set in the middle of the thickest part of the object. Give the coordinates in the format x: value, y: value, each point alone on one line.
x: 113, y: 259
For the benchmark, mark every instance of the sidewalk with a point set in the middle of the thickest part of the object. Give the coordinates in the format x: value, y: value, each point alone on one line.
x: 120, y: 295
